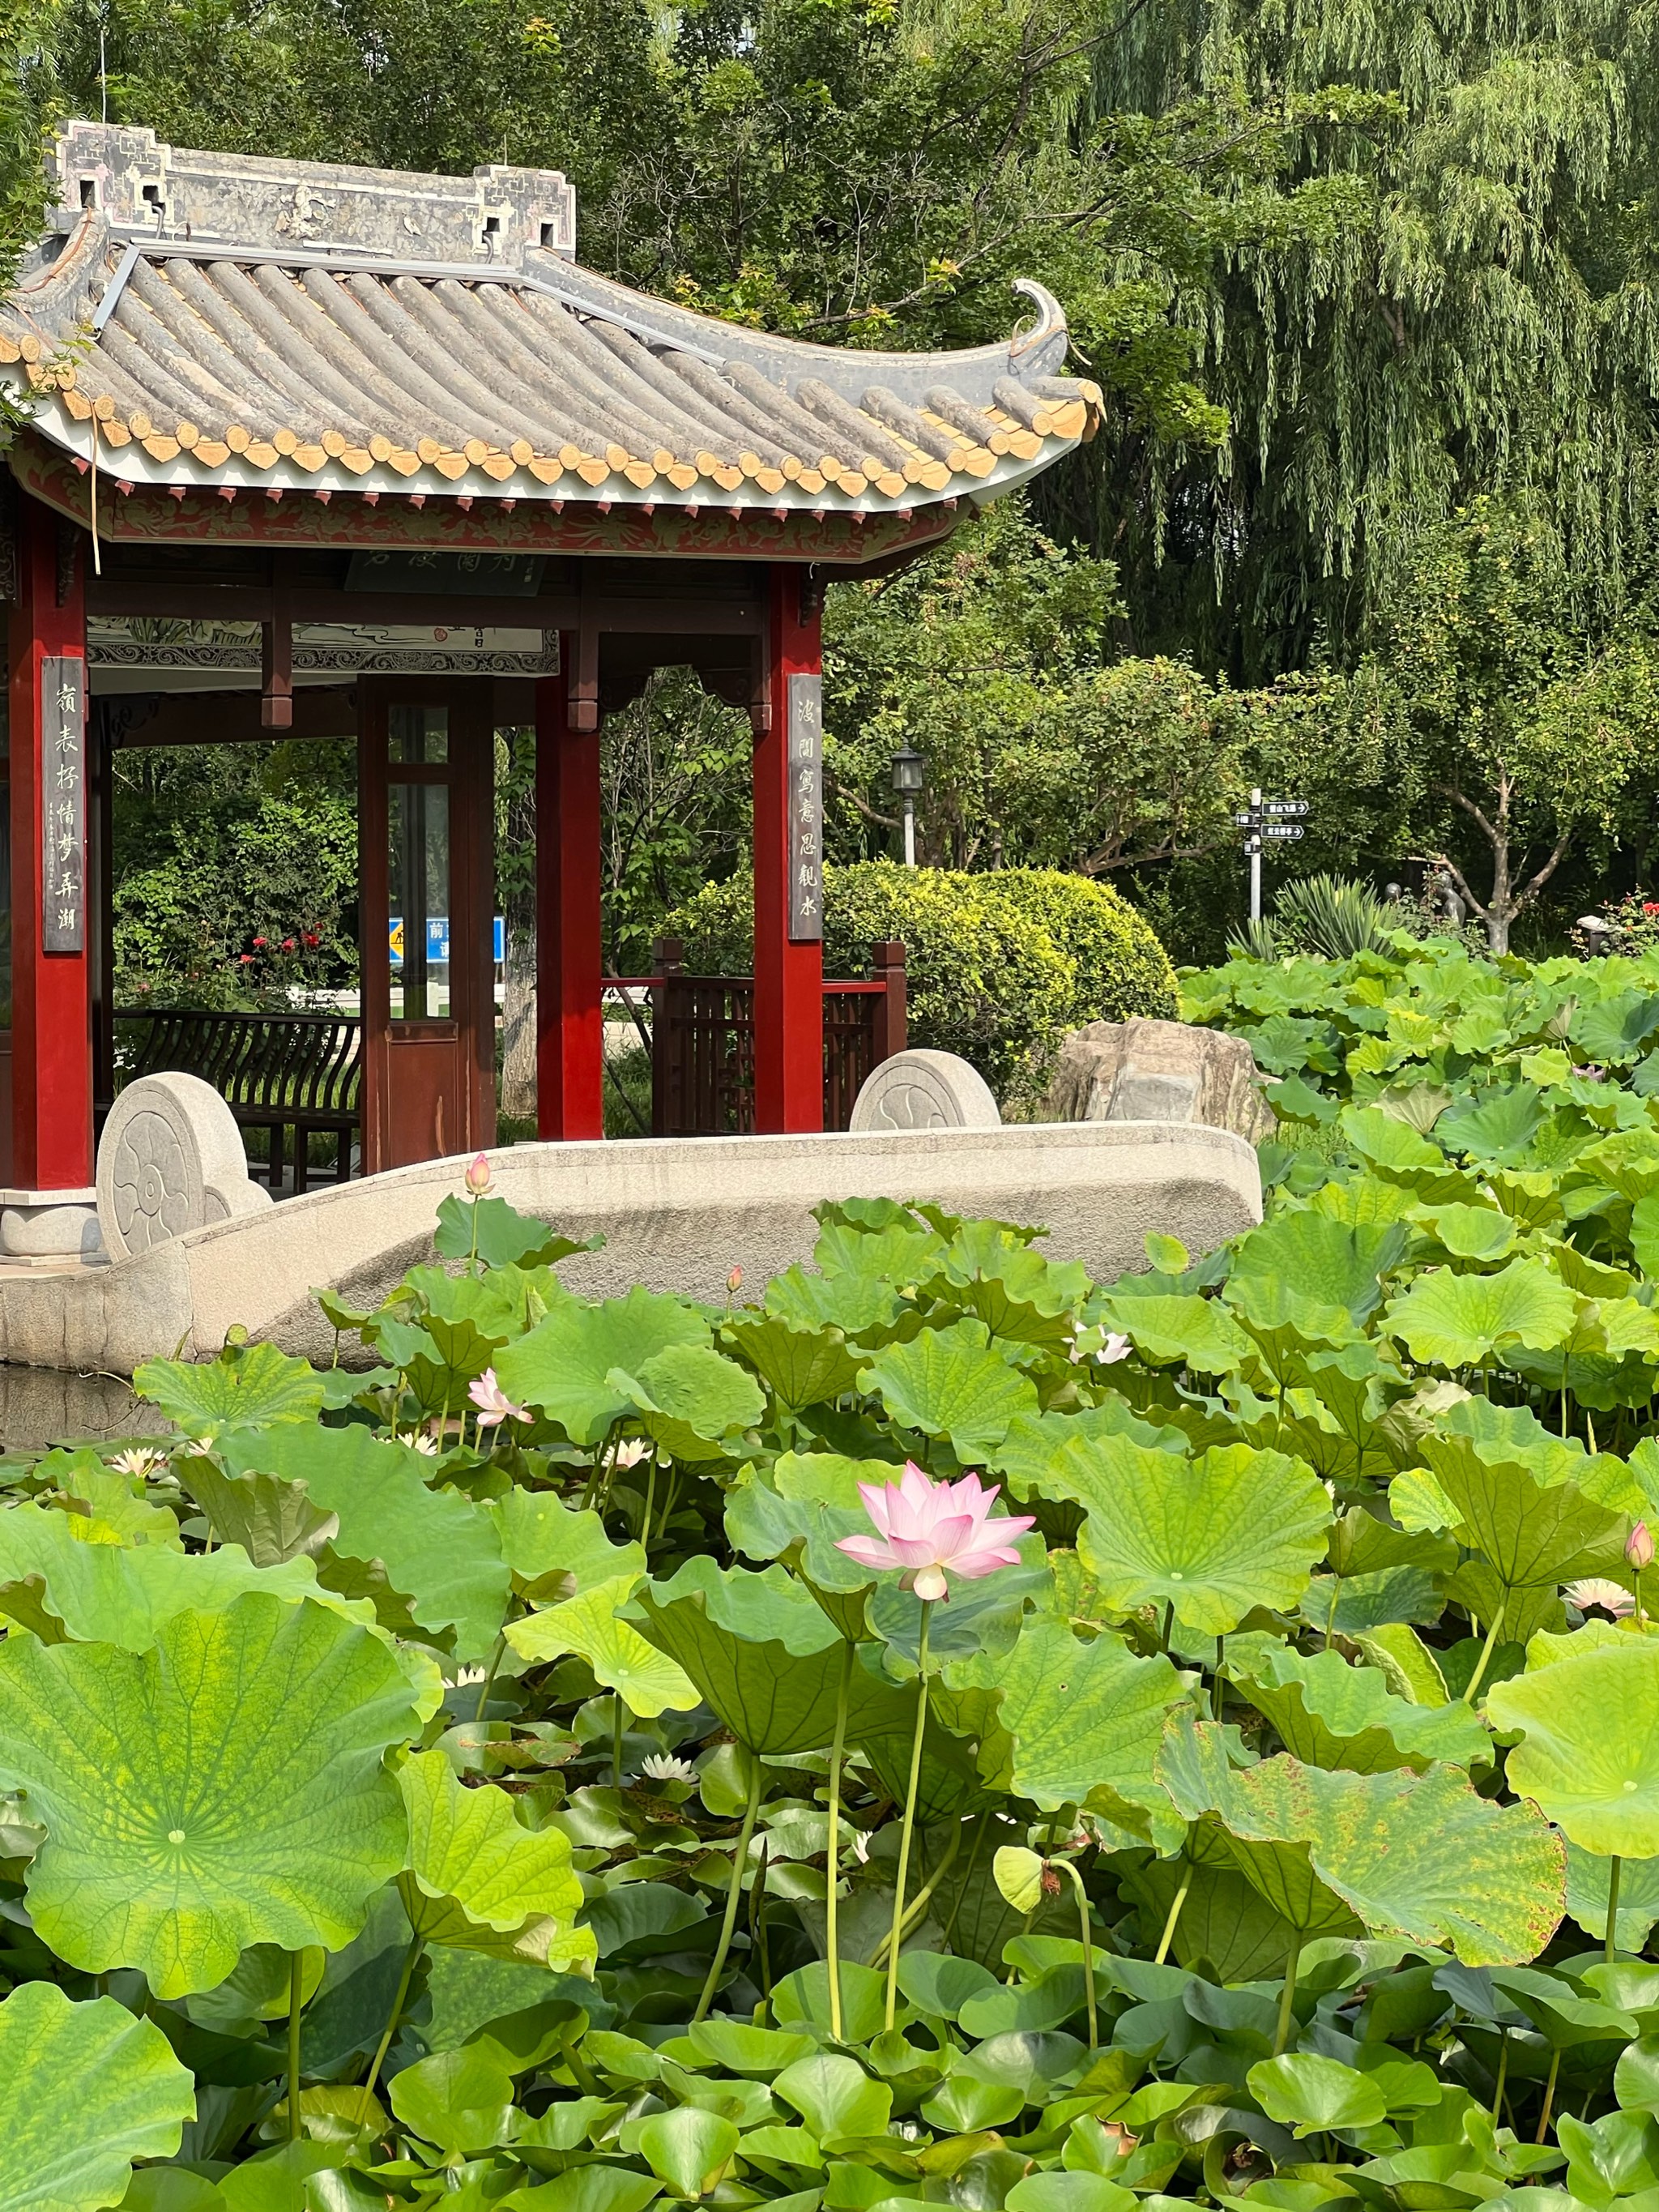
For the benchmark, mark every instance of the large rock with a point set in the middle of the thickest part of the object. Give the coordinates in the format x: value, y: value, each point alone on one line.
x: 1145, y: 1070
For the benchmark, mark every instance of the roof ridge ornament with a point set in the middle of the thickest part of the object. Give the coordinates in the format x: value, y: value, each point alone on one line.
x: 1043, y: 346
x: 175, y: 195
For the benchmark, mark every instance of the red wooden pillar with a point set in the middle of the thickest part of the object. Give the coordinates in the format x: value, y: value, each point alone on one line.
x: 570, y: 1014
x: 788, y: 840
x: 51, y: 935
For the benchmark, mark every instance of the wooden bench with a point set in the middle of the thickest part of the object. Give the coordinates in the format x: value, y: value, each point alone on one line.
x: 274, y: 1072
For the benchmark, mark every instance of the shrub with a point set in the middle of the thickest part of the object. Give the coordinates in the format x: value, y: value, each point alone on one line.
x: 1000, y: 965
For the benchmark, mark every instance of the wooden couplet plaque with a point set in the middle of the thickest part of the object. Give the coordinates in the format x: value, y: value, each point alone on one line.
x: 806, y: 809
x: 63, y: 804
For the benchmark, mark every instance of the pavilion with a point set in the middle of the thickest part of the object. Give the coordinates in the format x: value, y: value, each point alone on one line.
x: 328, y: 451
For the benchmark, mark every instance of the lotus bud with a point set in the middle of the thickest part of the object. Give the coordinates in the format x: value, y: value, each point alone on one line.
x: 1639, y: 1547
x: 477, y: 1176
x: 734, y: 1282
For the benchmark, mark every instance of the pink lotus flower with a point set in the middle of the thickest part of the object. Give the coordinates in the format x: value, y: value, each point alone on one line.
x: 1639, y: 1547
x: 1597, y: 1591
x: 477, y: 1176
x: 925, y: 1526
x: 493, y: 1403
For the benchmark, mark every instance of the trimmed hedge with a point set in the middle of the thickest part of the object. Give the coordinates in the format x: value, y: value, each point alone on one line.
x: 1001, y: 965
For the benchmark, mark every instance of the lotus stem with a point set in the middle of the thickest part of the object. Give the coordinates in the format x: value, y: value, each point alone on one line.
x: 1503, y: 2073
x: 1612, y: 1946
x: 981, y: 1829
x: 488, y: 1682
x: 393, y: 2018
x: 296, y: 1976
x: 616, y: 1738
x: 1287, y: 1999
x: 1168, y: 1936
x: 908, y: 1832
x: 650, y: 1497
x: 1549, y: 2095
x: 1088, y: 1954
x: 1487, y: 1649
x: 734, y: 1890
x: 832, y: 1898
x: 923, y: 1897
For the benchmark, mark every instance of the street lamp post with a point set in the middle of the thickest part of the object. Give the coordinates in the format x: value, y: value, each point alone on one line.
x: 909, y: 774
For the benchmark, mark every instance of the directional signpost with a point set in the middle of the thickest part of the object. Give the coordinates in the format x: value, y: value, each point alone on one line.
x: 1267, y: 818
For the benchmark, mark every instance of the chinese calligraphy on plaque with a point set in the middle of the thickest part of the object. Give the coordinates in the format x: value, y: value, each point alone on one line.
x: 805, y: 807
x: 63, y: 804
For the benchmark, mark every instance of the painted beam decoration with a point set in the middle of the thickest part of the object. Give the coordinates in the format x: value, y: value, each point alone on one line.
x: 63, y: 804
x: 806, y: 809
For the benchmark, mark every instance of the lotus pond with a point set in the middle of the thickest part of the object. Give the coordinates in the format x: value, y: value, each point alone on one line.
x: 567, y: 1764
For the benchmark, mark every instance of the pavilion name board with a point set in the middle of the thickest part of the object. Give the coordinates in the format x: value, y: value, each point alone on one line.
x: 806, y: 808
x: 63, y: 804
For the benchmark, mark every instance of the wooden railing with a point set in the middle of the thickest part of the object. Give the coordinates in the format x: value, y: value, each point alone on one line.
x: 276, y: 1072
x: 703, y: 1041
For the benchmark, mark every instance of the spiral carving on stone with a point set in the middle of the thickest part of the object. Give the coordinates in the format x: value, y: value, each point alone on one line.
x: 170, y: 1159
x: 151, y: 1182
x: 922, y: 1089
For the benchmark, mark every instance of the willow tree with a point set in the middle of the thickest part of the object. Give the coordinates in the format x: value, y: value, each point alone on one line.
x: 1488, y: 325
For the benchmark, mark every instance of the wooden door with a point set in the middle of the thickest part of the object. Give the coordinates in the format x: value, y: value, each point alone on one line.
x: 426, y: 829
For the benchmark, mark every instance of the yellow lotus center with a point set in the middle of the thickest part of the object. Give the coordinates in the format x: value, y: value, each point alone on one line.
x: 176, y: 1835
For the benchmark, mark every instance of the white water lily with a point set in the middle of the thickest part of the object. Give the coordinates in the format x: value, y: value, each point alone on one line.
x: 138, y: 1461
x: 664, y: 1766
x: 636, y: 1449
x: 1597, y: 1590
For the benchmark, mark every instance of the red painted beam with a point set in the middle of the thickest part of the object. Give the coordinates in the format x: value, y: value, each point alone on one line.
x: 569, y: 1016
x: 789, y: 972
x: 51, y: 992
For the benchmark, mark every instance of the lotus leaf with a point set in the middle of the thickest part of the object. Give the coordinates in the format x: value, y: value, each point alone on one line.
x: 1419, y: 1854
x: 801, y: 1367
x: 1332, y: 1263
x: 479, y: 1880
x: 764, y: 1656
x: 694, y: 1400
x: 1062, y: 1721
x: 120, y: 1594
x: 1183, y: 1330
x: 1330, y: 1714
x: 254, y: 1806
x: 1588, y: 1887
x: 438, y: 1548
x: 647, y: 1681
x: 248, y: 1384
x: 1461, y: 1320
x: 1212, y: 1536
x: 88, y: 2090
x: 574, y: 1364
x: 552, y: 1549
x: 948, y: 1382
x: 271, y: 1519
x: 1588, y: 1756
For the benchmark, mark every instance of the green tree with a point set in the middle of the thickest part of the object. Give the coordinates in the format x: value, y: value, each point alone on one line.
x: 1532, y: 733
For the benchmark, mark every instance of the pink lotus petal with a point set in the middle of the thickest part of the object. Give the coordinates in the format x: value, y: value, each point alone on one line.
x: 868, y: 1550
x: 877, y: 1498
x: 929, y: 1527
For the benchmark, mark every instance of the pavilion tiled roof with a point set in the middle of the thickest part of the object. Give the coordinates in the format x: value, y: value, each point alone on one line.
x: 271, y: 324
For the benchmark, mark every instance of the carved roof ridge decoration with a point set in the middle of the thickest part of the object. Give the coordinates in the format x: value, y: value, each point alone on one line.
x: 220, y: 323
